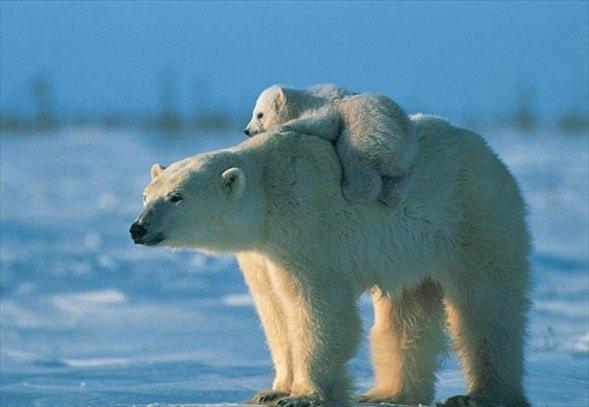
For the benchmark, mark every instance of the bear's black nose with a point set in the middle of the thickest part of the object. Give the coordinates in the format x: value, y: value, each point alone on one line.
x: 137, y: 231
x: 247, y: 132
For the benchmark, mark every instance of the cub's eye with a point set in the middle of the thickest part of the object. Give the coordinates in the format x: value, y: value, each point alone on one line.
x: 260, y: 115
x: 176, y: 198
x: 144, y: 199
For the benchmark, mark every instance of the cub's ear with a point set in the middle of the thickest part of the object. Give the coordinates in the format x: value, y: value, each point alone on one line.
x: 156, y: 170
x: 280, y: 97
x: 233, y: 181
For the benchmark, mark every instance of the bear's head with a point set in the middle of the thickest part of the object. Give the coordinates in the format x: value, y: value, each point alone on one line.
x: 202, y: 202
x: 276, y: 105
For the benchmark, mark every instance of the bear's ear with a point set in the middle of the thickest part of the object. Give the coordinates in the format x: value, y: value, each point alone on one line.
x: 280, y: 97
x: 156, y: 170
x: 233, y: 181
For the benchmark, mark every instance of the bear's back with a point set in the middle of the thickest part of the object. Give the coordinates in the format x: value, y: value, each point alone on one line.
x: 462, y: 185
x: 457, y: 187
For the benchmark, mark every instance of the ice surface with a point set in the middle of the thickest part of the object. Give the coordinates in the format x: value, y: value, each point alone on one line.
x: 89, y: 319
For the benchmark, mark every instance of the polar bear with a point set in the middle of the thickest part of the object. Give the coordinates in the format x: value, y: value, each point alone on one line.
x: 374, y: 138
x: 454, y: 251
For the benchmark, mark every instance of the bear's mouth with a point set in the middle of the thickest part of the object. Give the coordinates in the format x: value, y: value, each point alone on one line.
x: 155, y: 240
x: 150, y: 241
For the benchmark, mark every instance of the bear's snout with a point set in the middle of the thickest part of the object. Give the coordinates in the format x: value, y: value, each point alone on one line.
x: 140, y: 235
x: 246, y: 132
x: 137, y: 231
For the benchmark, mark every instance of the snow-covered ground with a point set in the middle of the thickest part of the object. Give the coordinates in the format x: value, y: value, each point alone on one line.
x: 89, y: 319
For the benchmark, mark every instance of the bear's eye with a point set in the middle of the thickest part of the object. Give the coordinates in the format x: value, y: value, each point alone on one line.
x: 144, y: 199
x: 260, y: 115
x: 175, y: 198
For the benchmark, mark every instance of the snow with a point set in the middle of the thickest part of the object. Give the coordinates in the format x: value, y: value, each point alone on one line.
x: 89, y: 319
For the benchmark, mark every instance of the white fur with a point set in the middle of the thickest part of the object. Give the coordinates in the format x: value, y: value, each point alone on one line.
x: 458, y: 243
x: 375, y: 140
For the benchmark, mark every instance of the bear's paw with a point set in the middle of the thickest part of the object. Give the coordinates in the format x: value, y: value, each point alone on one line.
x: 268, y: 396
x: 458, y: 401
x: 382, y: 400
x: 484, y: 401
x: 300, y: 401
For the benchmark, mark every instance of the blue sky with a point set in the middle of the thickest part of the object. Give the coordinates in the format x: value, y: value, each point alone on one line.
x: 445, y: 58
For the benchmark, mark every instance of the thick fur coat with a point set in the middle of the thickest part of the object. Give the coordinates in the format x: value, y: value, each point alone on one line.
x: 454, y: 252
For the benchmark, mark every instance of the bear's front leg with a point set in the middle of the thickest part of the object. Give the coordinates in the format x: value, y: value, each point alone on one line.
x: 324, y: 329
x: 256, y: 273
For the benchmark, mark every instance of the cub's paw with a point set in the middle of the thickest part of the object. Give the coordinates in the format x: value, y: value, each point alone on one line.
x: 302, y: 401
x: 354, y: 192
x: 392, y: 192
x: 268, y: 396
x: 389, y: 198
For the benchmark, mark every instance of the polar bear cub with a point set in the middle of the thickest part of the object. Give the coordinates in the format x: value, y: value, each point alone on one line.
x: 374, y: 138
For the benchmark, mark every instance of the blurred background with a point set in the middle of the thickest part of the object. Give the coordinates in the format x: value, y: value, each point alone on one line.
x: 92, y: 94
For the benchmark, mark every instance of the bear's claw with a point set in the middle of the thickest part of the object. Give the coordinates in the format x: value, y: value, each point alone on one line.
x: 268, y: 396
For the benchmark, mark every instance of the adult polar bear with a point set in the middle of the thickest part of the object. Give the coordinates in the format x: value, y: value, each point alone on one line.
x: 457, y: 243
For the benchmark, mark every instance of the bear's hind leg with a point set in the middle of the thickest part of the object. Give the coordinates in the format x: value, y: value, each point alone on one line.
x: 487, y: 324
x: 407, y: 340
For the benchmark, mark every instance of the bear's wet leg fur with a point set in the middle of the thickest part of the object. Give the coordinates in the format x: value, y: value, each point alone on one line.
x: 255, y: 271
x: 487, y: 324
x: 406, y: 342
x: 324, y: 329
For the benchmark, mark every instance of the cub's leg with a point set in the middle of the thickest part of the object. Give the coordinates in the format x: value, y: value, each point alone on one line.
x: 487, y: 323
x: 361, y: 180
x: 324, y: 328
x: 393, y: 190
x: 255, y: 271
x: 406, y: 342
x: 323, y: 123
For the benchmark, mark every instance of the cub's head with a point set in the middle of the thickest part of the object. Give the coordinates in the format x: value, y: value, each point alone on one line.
x: 275, y: 105
x: 201, y: 202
